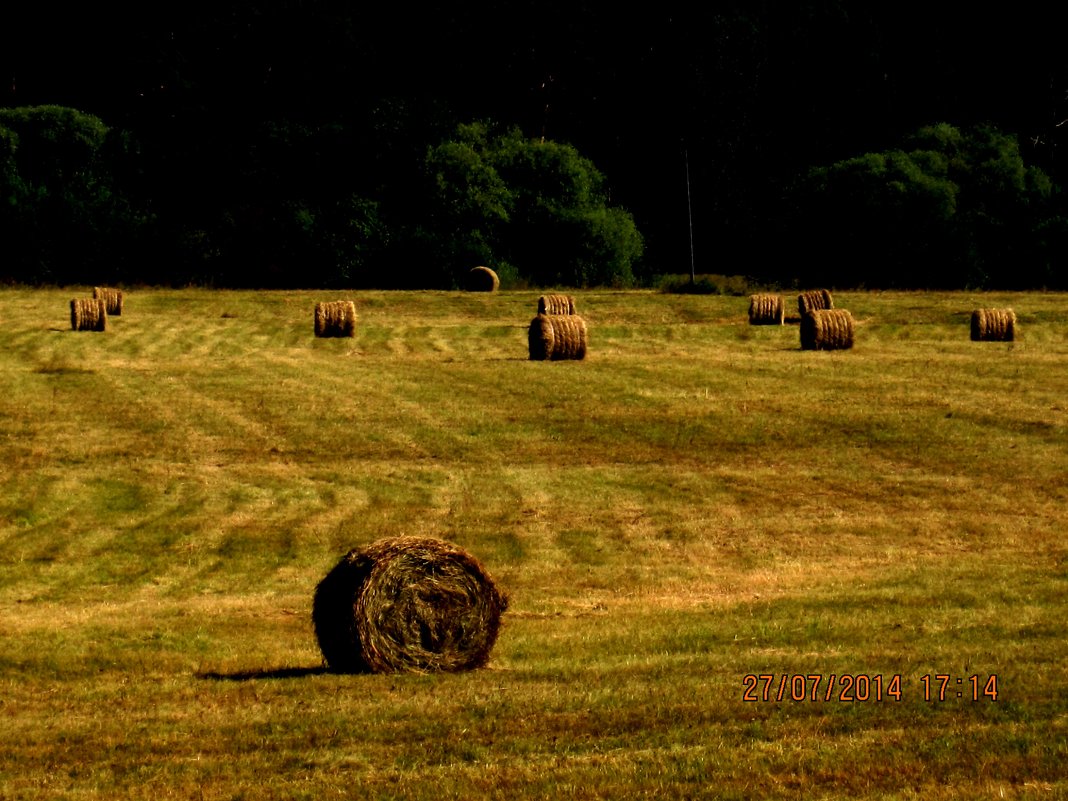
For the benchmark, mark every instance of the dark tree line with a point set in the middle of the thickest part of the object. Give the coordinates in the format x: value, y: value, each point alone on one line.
x: 306, y: 141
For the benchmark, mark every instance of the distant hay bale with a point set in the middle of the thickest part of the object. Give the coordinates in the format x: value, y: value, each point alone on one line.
x: 112, y: 299
x: 827, y: 329
x: 88, y: 314
x: 557, y: 337
x: 482, y: 279
x: 766, y: 310
x: 993, y: 325
x: 407, y: 604
x: 556, y: 304
x: 814, y: 300
x: 335, y: 319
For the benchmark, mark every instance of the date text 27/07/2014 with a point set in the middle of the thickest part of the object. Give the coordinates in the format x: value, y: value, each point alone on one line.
x: 863, y: 687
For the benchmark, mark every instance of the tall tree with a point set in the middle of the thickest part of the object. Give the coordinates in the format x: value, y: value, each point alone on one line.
x: 536, y: 210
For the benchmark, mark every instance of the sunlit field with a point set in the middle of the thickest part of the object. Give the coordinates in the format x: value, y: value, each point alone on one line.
x: 736, y: 569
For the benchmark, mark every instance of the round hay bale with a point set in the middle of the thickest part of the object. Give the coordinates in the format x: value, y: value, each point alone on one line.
x: 827, y: 329
x: 557, y: 337
x: 540, y: 338
x: 482, y: 279
x: 993, y: 325
x: 766, y: 310
x: 814, y: 300
x: 112, y: 298
x: 88, y: 314
x: 556, y: 304
x: 407, y: 604
x: 335, y: 319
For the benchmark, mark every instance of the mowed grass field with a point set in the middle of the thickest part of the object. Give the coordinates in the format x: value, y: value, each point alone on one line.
x: 697, y: 502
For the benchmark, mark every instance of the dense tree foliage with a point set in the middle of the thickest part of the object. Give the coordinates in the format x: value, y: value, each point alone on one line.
x: 956, y: 208
x: 61, y: 214
x: 285, y: 141
x: 535, y: 210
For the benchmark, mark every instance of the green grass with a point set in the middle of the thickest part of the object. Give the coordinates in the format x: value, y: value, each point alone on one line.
x: 698, y: 501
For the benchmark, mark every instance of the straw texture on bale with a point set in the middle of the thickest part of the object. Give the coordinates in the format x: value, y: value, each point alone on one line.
x: 335, y: 319
x: 112, y: 299
x: 556, y: 337
x: 556, y: 304
x: 482, y: 279
x: 766, y: 310
x: 88, y: 314
x: 827, y: 329
x: 993, y: 325
x: 814, y: 300
x: 407, y: 604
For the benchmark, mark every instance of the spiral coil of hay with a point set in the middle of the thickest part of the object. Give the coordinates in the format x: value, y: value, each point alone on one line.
x: 407, y: 604
x: 993, y: 325
x: 557, y: 337
x: 766, y: 310
x: 556, y: 304
x: 814, y: 300
x: 335, y: 319
x: 112, y: 299
x: 88, y: 314
x: 827, y: 329
x: 482, y: 279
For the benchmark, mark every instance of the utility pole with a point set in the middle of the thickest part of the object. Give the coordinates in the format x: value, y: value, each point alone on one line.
x: 689, y: 211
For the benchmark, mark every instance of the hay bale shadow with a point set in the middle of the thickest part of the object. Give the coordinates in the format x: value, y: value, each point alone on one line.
x: 275, y: 673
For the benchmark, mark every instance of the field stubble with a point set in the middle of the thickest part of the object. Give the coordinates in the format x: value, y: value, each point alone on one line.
x: 697, y: 501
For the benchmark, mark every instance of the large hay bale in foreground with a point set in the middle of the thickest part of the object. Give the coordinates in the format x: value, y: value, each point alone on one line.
x: 556, y: 304
x: 335, y: 319
x: 993, y: 325
x: 827, y: 329
x: 766, y: 310
x: 814, y: 300
x: 88, y: 314
x: 112, y: 299
x: 482, y: 279
x: 411, y: 604
x: 557, y: 337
